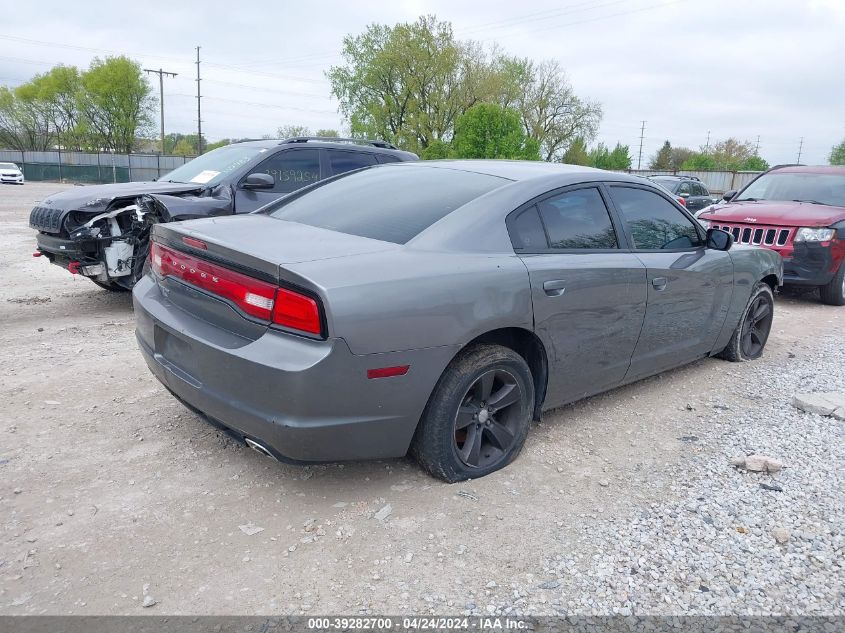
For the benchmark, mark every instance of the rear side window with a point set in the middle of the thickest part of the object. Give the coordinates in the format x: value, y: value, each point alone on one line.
x: 527, y: 232
x: 341, y: 161
x: 577, y: 219
x: 388, y: 158
x: 653, y: 221
x: 390, y: 203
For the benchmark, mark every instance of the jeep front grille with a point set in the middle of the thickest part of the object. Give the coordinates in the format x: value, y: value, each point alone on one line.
x: 46, y: 219
x: 757, y: 235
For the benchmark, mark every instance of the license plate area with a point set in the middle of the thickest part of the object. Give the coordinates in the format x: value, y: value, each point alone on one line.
x: 175, y: 354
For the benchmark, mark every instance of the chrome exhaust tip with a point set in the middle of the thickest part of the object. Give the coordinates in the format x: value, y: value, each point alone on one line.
x: 260, y: 448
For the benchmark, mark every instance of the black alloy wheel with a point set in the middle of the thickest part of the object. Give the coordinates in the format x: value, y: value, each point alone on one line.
x: 756, y: 327
x: 488, y: 419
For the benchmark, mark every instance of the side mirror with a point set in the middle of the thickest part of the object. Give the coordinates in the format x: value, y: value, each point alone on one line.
x: 259, y: 181
x: 684, y: 194
x: 728, y: 195
x: 719, y: 240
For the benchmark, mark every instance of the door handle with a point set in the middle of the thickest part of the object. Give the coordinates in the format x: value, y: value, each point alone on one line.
x: 659, y: 283
x: 554, y: 287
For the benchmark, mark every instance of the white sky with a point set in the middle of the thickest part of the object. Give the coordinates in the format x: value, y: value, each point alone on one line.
x: 742, y: 68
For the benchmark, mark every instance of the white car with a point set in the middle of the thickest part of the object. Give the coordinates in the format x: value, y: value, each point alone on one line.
x: 9, y: 172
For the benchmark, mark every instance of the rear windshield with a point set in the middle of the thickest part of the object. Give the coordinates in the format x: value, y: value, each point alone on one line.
x: 392, y: 203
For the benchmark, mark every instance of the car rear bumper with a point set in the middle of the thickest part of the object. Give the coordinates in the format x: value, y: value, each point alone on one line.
x: 812, y: 264
x: 306, y: 400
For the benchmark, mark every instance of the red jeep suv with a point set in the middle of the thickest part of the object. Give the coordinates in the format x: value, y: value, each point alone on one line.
x: 798, y: 212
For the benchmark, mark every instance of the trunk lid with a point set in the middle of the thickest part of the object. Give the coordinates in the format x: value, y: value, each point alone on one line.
x: 265, y: 244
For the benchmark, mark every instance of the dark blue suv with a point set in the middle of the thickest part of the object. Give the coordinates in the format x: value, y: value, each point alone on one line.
x: 102, y: 231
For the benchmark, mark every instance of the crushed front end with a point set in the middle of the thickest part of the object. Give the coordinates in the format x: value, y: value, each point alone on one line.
x: 109, y: 247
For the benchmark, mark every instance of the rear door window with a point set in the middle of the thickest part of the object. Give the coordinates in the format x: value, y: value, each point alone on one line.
x: 577, y: 219
x: 341, y: 162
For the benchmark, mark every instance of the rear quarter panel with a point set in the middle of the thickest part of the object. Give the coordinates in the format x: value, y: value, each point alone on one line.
x: 411, y: 299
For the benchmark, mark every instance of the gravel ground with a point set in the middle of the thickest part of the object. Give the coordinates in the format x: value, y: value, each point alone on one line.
x: 114, y: 496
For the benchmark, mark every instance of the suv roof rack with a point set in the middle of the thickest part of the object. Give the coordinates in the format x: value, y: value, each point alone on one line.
x: 336, y: 139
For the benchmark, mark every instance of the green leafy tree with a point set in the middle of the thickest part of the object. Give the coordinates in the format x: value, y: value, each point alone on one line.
x: 679, y: 156
x: 699, y: 161
x: 185, y: 148
x: 488, y: 130
x: 754, y: 163
x: 116, y: 103
x: 207, y: 147
x: 437, y: 149
x: 837, y: 154
x: 24, y: 123
x: 663, y: 158
x: 291, y: 131
x: 576, y: 153
x: 409, y: 83
x: 732, y: 153
x: 551, y: 112
x: 55, y: 95
x: 604, y: 158
x: 328, y: 132
x: 620, y: 157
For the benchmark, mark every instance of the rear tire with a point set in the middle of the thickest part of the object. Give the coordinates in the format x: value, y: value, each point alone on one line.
x: 478, y: 415
x: 833, y: 294
x: 752, y: 332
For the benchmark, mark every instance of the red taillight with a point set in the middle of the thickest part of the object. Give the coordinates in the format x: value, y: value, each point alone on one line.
x: 257, y: 298
x: 683, y: 201
x: 297, y: 311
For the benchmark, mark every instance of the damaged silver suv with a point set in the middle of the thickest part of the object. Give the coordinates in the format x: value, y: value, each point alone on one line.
x: 102, y: 231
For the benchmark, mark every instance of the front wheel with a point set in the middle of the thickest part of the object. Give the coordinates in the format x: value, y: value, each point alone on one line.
x: 750, y: 336
x: 833, y: 294
x: 477, y: 418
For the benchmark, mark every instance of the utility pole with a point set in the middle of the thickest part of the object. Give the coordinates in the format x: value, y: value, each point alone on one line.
x: 640, y: 155
x: 800, y: 148
x: 161, y: 73
x: 757, y: 147
x: 199, y: 114
x: 707, y: 145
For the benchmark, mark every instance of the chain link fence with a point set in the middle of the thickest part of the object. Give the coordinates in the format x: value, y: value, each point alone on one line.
x: 91, y: 167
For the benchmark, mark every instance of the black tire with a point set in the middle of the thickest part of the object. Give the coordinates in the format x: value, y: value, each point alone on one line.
x: 833, y: 294
x: 752, y: 331
x: 111, y: 286
x: 491, y: 436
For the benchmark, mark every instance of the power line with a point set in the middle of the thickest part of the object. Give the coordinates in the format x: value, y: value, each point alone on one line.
x: 161, y: 73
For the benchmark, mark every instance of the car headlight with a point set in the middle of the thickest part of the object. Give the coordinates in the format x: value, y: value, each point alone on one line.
x: 704, y: 223
x: 806, y: 234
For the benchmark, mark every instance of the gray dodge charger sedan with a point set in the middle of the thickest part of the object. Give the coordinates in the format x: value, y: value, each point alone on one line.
x: 438, y: 307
